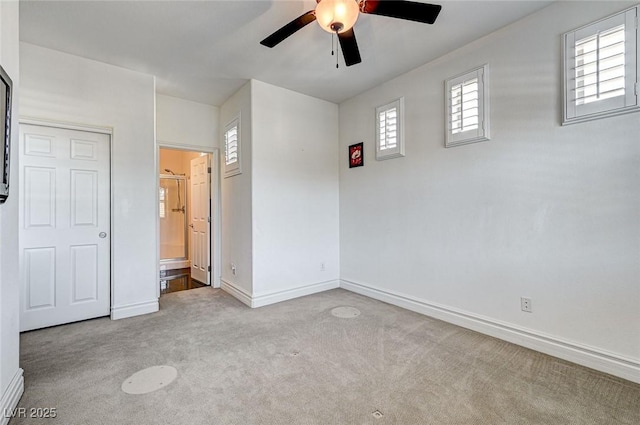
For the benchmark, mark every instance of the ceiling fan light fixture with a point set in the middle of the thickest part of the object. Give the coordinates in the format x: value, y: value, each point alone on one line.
x: 337, y: 15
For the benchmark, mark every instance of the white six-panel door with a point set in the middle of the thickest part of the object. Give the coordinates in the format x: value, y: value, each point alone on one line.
x: 199, y: 226
x: 64, y: 226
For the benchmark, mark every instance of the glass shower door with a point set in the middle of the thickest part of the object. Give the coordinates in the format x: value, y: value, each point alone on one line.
x: 173, y: 218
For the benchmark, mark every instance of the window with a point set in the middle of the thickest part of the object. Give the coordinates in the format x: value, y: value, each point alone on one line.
x: 162, y: 203
x: 389, y: 131
x: 467, y: 106
x: 601, y: 68
x: 232, y: 148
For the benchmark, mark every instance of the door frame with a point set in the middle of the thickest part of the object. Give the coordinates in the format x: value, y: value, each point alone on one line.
x: 108, y: 131
x: 214, y: 188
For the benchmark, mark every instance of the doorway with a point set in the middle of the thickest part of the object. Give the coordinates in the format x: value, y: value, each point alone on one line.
x: 184, y: 214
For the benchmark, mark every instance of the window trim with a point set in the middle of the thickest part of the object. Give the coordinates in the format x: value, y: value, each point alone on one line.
x: 480, y: 134
x: 597, y: 110
x: 236, y: 167
x: 398, y: 151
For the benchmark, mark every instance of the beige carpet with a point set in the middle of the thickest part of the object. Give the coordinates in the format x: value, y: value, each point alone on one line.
x: 296, y: 363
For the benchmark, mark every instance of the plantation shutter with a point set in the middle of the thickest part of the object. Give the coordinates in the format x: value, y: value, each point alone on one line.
x: 389, y: 138
x: 388, y: 121
x: 231, y: 145
x: 467, y: 107
x: 601, y: 68
x: 464, y: 113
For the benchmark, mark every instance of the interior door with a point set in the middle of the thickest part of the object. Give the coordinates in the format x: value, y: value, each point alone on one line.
x: 200, y: 206
x: 64, y: 231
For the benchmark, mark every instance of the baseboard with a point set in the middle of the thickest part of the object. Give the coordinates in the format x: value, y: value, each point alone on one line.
x: 236, y: 292
x: 266, y: 298
x: 272, y: 297
x: 11, y: 397
x: 137, y: 309
x: 586, y: 356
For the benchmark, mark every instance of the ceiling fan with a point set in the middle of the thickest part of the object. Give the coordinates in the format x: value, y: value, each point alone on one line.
x: 339, y: 16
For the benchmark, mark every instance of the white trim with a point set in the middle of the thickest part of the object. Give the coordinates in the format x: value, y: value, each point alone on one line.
x: 215, y: 190
x: 135, y: 309
x: 11, y: 397
x: 156, y: 167
x: 184, y: 147
x: 591, y: 357
x: 66, y: 125
x: 591, y: 117
x: 272, y: 297
x: 216, y: 218
x: 236, y: 292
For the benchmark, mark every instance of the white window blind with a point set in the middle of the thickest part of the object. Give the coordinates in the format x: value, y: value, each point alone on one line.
x: 601, y: 68
x: 389, y: 137
x: 232, y: 144
x: 467, y: 106
x: 388, y: 121
x: 464, y: 106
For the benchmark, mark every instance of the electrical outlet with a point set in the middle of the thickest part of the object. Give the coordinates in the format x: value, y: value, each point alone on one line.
x: 233, y: 269
x: 525, y: 304
x: 322, y: 268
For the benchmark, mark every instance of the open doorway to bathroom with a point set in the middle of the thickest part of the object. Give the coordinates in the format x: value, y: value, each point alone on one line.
x: 185, y: 219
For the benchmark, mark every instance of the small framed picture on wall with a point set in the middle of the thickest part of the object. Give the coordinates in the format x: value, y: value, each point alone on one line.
x: 6, y: 96
x: 356, y: 155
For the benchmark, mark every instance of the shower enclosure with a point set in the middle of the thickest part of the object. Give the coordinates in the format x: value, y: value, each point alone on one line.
x: 173, y: 218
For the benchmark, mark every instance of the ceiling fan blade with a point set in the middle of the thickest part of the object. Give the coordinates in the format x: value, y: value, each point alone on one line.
x: 409, y: 10
x: 349, y: 47
x: 289, y: 29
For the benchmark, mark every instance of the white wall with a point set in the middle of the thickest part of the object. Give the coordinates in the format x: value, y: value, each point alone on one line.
x: 295, y: 190
x: 181, y: 122
x: 11, y: 381
x: 540, y: 210
x: 235, y: 202
x: 61, y: 87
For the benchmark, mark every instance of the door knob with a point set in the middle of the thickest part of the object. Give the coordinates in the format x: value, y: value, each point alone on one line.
x: 191, y: 225
x: 102, y: 235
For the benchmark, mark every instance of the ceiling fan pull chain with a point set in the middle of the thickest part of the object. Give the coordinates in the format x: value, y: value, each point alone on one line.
x: 332, y: 50
x: 337, y: 56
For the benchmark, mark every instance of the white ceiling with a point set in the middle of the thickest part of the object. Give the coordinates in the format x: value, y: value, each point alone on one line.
x: 205, y: 50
